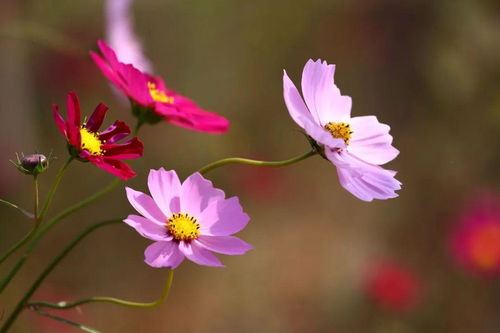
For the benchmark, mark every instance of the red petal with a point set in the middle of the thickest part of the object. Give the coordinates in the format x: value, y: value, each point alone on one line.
x: 73, y: 109
x: 114, y: 167
x: 128, y: 150
x: 96, y: 118
x: 115, y: 132
x: 60, y: 123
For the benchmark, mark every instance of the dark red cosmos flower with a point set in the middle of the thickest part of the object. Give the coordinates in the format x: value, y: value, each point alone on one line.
x: 151, y: 98
x: 100, y: 148
x: 393, y: 286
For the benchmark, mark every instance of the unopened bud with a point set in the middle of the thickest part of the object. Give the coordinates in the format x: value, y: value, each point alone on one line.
x: 32, y: 164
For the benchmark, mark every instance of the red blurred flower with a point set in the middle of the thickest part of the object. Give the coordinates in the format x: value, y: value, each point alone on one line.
x: 393, y: 286
x: 152, y: 100
x: 475, y: 242
x: 100, y: 148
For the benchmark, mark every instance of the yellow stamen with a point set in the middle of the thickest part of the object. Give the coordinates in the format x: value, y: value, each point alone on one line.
x: 91, y: 142
x: 183, y: 227
x: 340, y: 131
x: 159, y: 95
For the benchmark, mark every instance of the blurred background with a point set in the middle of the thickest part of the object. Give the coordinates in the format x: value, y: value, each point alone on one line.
x: 323, y: 261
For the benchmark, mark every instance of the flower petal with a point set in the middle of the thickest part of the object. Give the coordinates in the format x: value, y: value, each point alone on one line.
x: 127, y: 150
x: 294, y: 103
x: 114, y: 167
x: 322, y: 96
x: 199, y: 255
x: 223, y: 218
x: 197, y: 194
x: 96, y: 118
x: 365, y: 181
x: 371, y: 141
x: 115, y: 132
x: 165, y: 187
x: 73, y: 105
x: 59, y: 120
x: 146, y: 206
x: 148, y: 228
x: 163, y: 254
x: 224, y: 244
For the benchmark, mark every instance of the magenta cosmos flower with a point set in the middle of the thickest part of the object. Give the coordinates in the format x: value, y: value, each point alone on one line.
x: 152, y: 100
x: 189, y: 220
x: 475, y: 242
x: 100, y: 148
x: 356, y: 146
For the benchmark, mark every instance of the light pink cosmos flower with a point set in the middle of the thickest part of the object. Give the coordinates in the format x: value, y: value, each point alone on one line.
x: 189, y: 220
x: 356, y: 146
x: 122, y: 37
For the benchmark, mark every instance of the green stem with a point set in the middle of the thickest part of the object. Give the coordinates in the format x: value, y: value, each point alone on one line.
x: 33, y: 230
x: 66, y: 321
x: 53, y: 188
x: 22, y: 303
x: 50, y: 224
x: 64, y: 305
x: 10, y: 204
x: 239, y: 160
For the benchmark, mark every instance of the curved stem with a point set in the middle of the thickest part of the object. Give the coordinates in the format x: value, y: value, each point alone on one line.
x: 32, y: 232
x: 22, y: 303
x: 239, y: 160
x: 10, y: 204
x: 65, y: 305
x: 51, y: 223
x: 53, y: 188
x: 66, y: 321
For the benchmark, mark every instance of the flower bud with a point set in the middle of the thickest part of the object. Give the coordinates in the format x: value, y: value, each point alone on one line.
x: 32, y: 164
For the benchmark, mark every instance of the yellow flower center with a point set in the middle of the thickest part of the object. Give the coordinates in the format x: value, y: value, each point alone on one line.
x: 183, y: 227
x: 90, y: 141
x: 340, y: 131
x: 485, y: 247
x: 159, y: 95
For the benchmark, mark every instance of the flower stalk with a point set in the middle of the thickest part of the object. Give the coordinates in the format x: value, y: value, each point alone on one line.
x: 239, y: 160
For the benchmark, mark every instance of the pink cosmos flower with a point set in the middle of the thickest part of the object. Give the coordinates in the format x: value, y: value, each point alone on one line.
x: 99, y: 148
x: 121, y: 35
x: 475, y: 243
x: 393, y: 286
x: 189, y: 220
x: 153, y: 100
x: 355, y: 145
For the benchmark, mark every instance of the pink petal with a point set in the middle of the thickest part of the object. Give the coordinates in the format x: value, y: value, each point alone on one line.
x: 145, y: 205
x: 109, y: 72
x: 148, y: 228
x: 224, y: 244
x: 199, y: 255
x: 321, y: 94
x: 197, y: 194
x: 165, y: 187
x: 371, y: 141
x: 294, y: 103
x: 223, y: 218
x: 365, y: 181
x: 163, y: 254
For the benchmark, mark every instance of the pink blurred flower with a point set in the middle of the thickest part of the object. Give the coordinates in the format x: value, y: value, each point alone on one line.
x: 100, y: 148
x: 189, y: 220
x: 154, y: 99
x: 475, y: 242
x: 121, y: 36
x: 393, y: 286
x: 356, y: 146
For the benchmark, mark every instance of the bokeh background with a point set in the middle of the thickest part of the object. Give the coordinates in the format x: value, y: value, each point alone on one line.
x: 430, y: 69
